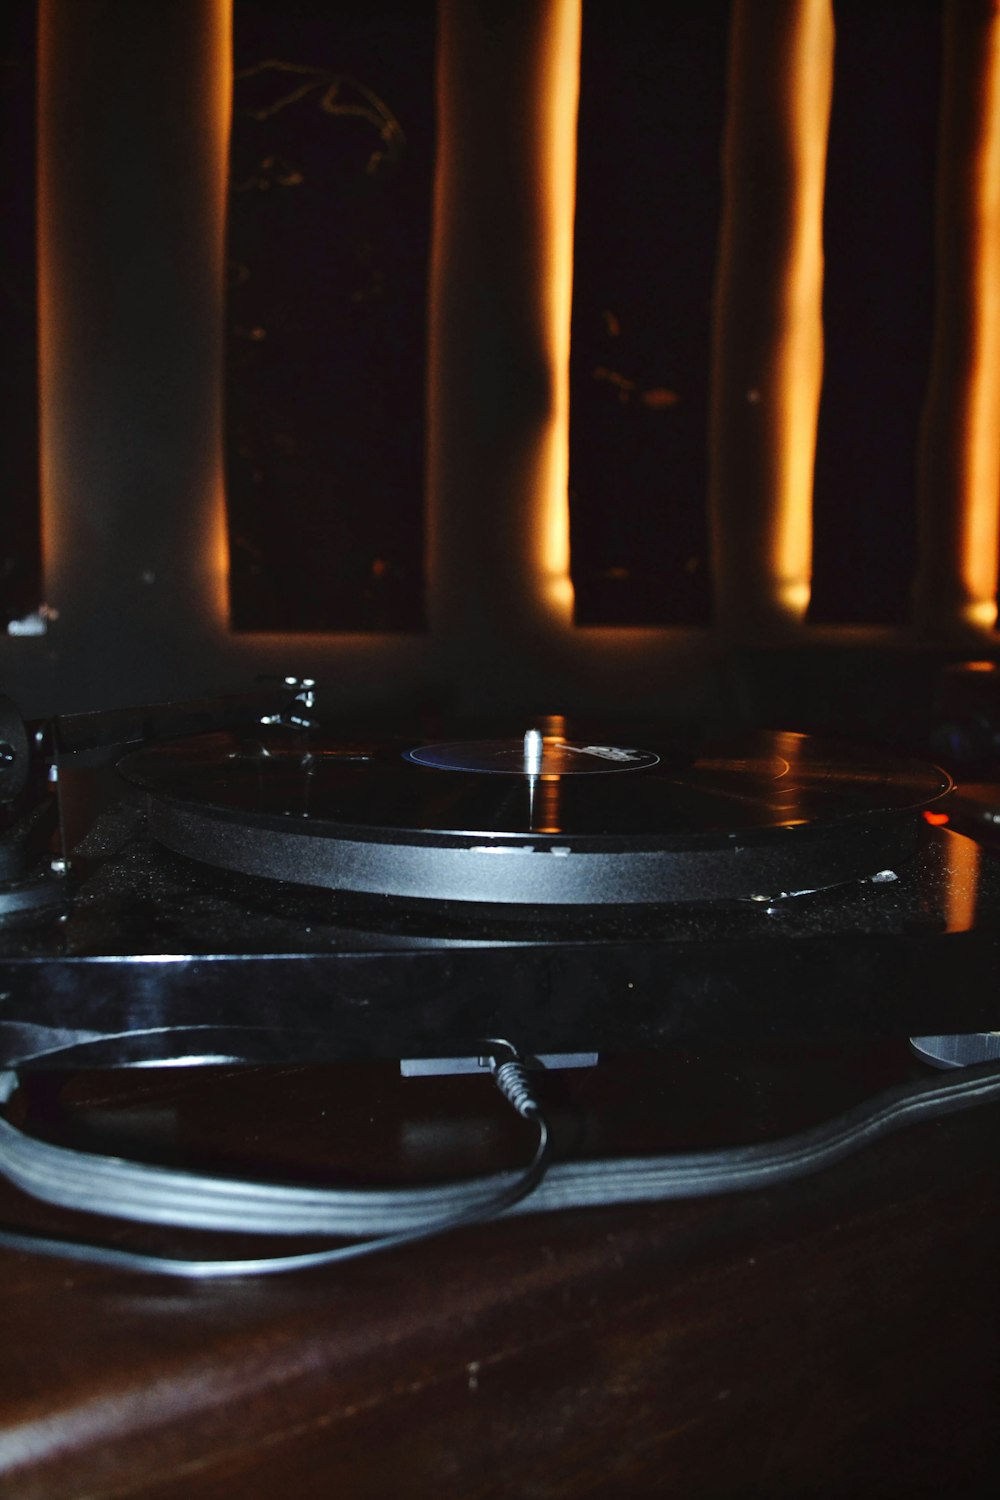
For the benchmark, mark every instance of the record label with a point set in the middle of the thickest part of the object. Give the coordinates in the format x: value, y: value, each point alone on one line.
x: 535, y: 755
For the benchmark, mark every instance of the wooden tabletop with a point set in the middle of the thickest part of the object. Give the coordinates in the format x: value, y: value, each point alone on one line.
x: 835, y: 1336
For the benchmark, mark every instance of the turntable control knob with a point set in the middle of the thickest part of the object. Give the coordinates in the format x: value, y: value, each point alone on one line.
x: 534, y: 746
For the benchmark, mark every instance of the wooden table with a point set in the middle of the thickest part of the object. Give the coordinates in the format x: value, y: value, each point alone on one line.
x: 835, y: 1336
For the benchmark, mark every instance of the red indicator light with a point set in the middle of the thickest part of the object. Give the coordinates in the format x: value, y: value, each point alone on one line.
x: 936, y: 819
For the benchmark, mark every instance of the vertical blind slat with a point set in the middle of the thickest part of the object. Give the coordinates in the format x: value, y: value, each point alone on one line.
x: 133, y: 116
x: 959, y: 473
x: 500, y: 310
x: 768, y: 344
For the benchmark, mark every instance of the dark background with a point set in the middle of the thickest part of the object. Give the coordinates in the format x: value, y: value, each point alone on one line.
x: 330, y: 217
x: 877, y: 306
x: 329, y: 236
x: 648, y: 207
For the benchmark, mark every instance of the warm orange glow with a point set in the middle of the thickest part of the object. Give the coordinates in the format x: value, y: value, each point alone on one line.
x: 981, y: 436
x: 498, y: 355
x: 960, y: 451
x: 768, y: 355
x: 216, y: 148
x: 936, y: 820
x: 963, y: 858
x: 86, y: 329
x: 546, y: 814
x: 557, y: 180
x: 799, y: 363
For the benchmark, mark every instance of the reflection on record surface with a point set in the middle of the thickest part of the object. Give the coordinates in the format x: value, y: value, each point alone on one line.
x: 751, y: 786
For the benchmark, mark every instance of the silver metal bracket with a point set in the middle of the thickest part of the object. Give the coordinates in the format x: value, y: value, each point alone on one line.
x: 439, y: 1067
x: 297, y: 713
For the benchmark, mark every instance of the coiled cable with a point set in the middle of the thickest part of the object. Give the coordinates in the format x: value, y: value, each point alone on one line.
x: 499, y: 1193
x: 390, y: 1217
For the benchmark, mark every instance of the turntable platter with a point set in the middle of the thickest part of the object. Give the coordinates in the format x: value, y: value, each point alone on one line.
x: 537, y: 820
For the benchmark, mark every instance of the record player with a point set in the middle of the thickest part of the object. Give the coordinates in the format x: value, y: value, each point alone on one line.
x: 241, y: 880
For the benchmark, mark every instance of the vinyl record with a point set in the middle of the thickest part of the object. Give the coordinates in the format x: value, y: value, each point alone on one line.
x: 534, y: 819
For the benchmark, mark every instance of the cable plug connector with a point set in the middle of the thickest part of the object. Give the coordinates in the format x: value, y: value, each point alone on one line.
x: 510, y: 1074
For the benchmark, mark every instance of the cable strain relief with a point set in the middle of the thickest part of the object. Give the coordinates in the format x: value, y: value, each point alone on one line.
x: 511, y: 1078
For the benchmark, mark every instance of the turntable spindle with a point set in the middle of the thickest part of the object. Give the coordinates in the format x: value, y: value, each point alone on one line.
x: 534, y: 747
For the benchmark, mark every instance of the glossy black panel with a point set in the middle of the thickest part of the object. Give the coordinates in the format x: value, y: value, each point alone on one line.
x: 157, y: 957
